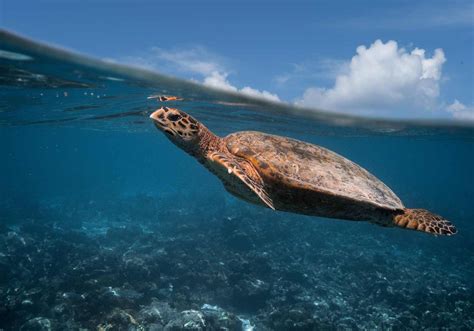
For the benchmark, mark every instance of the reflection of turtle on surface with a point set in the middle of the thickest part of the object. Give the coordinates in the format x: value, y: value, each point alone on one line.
x: 164, y: 98
x: 290, y: 175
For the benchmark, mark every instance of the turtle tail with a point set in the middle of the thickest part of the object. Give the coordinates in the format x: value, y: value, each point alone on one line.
x: 423, y: 220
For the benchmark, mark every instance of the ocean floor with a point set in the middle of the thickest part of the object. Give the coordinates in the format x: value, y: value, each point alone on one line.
x: 187, y: 263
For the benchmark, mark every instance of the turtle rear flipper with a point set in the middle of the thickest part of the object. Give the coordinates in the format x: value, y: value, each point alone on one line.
x: 424, y: 220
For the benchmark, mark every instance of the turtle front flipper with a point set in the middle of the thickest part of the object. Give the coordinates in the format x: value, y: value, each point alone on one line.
x: 230, y: 169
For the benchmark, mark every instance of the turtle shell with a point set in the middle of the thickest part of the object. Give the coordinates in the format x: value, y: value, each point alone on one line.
x: 299, y: 165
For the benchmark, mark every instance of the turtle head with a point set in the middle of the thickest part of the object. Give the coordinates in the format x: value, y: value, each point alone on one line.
x: 179, y: 127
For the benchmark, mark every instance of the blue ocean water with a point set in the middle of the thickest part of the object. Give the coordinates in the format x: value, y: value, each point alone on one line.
x: 104, y: 224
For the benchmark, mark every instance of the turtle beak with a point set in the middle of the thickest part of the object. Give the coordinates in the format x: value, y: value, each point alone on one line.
x: 159, y: 124
x: 154, y: 116
x: 156, y: 119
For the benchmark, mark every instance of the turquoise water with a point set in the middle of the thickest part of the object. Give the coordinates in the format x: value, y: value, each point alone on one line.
x: 104, y: 223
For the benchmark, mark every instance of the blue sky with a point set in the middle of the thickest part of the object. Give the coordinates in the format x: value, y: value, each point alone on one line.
x: 303, y: 52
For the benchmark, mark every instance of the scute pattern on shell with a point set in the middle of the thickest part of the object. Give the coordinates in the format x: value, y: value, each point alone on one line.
x: 290, y: 162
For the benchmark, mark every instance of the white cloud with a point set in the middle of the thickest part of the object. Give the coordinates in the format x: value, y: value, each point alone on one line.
x: 454, y: 14
x: 383, y: 80
x: 197, y: 60
x: 323, y: 68
x: 461, y: 111
x: 193, y: 60
x: 247, y: 90
x: 218, y: 80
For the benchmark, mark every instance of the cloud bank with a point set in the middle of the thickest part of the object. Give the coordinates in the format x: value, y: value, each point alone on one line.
x: 383, y: 80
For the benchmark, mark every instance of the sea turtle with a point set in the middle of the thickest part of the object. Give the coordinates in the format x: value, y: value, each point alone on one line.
x: 294, y: 176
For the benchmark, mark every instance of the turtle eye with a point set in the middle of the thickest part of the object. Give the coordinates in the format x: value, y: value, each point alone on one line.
x: 174, y: 117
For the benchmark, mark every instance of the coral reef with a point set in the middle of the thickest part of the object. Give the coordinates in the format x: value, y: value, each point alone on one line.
x: 144, y: 263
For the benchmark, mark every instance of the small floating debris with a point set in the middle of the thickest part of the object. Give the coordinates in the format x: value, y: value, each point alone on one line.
x: 111, y: 78
x: 164, y: 98
x: 14, y: 56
